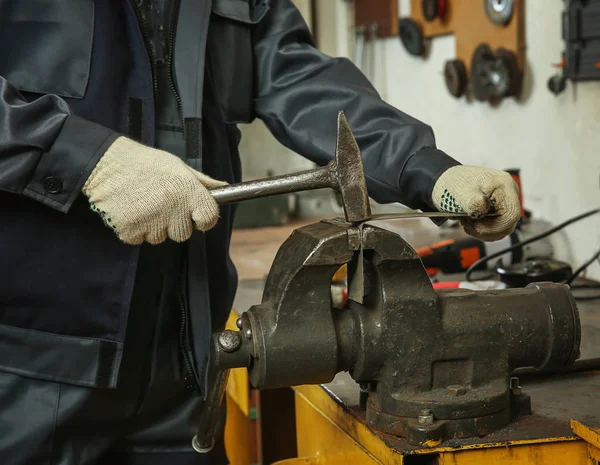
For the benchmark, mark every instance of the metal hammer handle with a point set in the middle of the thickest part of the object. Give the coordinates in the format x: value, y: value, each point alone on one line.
x: 317, y: 178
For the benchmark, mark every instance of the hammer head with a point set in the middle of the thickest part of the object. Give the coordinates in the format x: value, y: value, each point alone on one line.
x: 351, y: 181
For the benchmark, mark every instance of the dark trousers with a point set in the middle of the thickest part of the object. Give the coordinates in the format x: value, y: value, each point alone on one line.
x: 149, y: 419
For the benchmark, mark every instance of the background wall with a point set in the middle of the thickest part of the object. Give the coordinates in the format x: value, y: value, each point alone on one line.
x: 555, y: 141
x: 261, y: 154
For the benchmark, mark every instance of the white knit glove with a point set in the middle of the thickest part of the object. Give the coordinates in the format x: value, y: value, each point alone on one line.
x: 473, y: 190
x: 149, y: 195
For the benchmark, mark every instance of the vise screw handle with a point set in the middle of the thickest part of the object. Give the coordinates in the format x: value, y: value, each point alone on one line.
x: 204, y: 441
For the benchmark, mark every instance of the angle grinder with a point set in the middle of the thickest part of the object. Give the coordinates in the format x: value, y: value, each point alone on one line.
x: 534, y: 271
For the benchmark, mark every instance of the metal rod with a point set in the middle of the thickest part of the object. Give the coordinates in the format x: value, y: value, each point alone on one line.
x: 317, y: 178
x: 204, y: 440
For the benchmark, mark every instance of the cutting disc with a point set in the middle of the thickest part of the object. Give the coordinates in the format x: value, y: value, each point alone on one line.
x: 499, y: 12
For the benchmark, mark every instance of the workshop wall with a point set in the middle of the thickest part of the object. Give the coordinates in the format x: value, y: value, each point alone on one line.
x: 555, y: 141
x: 261, y: 154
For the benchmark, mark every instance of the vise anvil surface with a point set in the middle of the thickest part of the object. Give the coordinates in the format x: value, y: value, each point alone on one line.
x: 433, y: 364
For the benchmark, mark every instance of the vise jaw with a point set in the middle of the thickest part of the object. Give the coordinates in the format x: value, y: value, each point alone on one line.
x: 435, y: 364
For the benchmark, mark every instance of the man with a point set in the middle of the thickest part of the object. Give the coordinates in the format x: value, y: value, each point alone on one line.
x: 115, y: 118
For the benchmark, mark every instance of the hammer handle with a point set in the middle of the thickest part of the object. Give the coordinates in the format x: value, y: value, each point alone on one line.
x: 317, y: 178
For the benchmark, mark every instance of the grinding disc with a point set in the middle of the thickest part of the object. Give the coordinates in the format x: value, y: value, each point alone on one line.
x: 494, y: 76
x: 532, y: 271
x: 515, y: 76
x: 411, y: 36
x: 499, y: 12
x: 455, y: 75
x: 480, y: 71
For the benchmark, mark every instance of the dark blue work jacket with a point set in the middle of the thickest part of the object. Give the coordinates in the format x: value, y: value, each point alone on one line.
x: 76, y: 74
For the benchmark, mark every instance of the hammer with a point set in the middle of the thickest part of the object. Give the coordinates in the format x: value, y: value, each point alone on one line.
x: 344, y: 174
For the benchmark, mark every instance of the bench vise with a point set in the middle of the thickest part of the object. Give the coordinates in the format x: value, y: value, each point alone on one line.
x: 433, y: 365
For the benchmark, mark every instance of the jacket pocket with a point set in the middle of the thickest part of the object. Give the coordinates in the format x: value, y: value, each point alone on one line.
x: 230, y: 55
x: 47, y: 45
x: 27, y: 419
x: 79, y: 361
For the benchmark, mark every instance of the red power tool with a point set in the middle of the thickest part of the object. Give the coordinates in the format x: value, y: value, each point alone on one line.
x: 457, y: 255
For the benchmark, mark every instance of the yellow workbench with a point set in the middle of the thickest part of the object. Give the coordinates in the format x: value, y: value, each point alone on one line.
x: 331, y: 429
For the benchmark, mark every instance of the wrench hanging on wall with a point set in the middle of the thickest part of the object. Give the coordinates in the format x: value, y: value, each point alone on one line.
x: 359, y: 46
x: 365, y: 56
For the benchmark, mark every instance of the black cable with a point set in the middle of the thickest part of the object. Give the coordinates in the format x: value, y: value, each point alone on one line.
x: 586, y: 286
x: 587, y: 297
x: 583, y: 267
x: 484, y: 260
x: 579, y: 366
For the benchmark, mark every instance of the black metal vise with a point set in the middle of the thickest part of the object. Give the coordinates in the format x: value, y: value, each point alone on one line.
x: 435, y: 364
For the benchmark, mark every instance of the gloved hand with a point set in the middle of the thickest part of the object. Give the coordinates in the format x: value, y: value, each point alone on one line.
x: 145, y: 194
x: 473, y: 190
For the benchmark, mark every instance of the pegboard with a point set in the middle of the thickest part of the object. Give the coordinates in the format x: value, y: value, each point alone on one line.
x: 467, y: 20
x: 383, y: 12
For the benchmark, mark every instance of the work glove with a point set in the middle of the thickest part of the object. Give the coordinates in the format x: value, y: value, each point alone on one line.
x: 474, y: 191
x: 145, y: 194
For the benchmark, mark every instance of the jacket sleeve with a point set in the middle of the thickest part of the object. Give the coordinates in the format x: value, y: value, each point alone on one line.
x: 46, y: 152
x: 300, y: 91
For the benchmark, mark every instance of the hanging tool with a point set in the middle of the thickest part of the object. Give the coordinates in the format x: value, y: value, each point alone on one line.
x: 366, y: 61
x: 359, y: 40
x: 411, y: 36
x: 455, y: 76
x: 499, y: 12
x: 433, y: 9
x: 373, y: 34
x: 494, y: 75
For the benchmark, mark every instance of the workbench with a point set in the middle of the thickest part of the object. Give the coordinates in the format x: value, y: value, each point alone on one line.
x: 324, y: 424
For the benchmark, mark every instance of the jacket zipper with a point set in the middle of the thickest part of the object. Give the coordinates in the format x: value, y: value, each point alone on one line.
x: 193, y: 383
x: 172, y: 32
x: 149, y: 45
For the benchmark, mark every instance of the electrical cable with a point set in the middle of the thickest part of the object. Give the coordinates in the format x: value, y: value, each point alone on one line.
x: 586, y: 286
x: 543, y: 235
x: 583, y: 267
x: 577, y: 367
x: 587, y: 297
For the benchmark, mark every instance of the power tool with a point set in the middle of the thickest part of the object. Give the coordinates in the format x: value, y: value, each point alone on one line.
x: 457, y: 255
